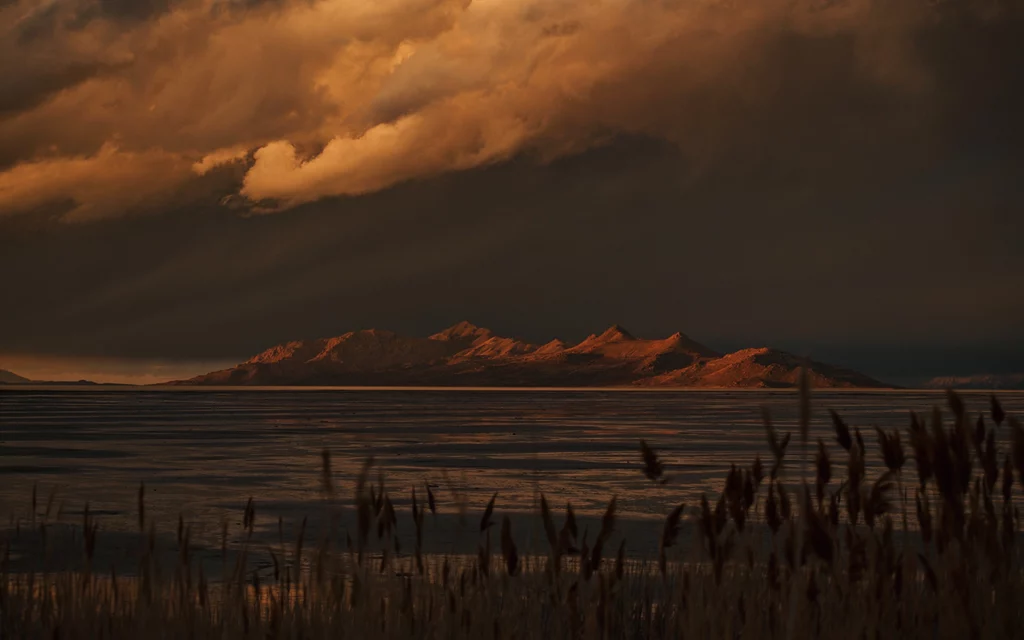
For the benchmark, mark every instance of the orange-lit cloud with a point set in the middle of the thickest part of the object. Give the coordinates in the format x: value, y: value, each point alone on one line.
x: 219, y: 157
x: 344, y: 97
x: 107, y: 183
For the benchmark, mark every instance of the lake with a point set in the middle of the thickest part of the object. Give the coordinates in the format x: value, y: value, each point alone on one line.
x: 203, y: 453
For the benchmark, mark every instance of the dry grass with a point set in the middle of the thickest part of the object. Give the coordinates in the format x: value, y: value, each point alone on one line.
x: 796, y: 552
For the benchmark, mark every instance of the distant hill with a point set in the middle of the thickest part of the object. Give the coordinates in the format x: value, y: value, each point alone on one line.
x: 9, y: 377
x: 467, y: 355
x: 980, y: 381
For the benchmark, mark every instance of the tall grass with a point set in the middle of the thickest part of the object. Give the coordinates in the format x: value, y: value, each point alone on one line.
x: 926, y: 550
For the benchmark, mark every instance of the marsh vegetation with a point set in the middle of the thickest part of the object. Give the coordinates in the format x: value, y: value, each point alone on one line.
x: 797, y: 543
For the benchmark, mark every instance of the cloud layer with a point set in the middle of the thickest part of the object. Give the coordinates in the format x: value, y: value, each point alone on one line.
x: 835, y: 177
x: 106, y: 105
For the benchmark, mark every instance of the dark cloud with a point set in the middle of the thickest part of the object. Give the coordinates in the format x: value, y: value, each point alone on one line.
x: 37, y: 61
x: 22, y: 88
x: 846, y: 187
x: 51, y: 17
x: 128, y: 9
x: 610, y: 236
x: 407, y: 89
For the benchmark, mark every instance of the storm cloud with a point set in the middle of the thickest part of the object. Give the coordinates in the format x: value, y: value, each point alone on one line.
x: 344, y: 97
x: 830, y: 176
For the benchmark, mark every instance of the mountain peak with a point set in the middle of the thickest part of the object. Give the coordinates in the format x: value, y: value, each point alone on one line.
x: 615, y: 333
x: 462, y: 331
x: 614, y: 337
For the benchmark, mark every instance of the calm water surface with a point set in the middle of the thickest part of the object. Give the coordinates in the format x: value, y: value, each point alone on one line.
x: 203, y: 453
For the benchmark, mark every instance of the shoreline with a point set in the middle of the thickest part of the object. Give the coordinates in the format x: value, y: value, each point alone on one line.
x: 478, y: 389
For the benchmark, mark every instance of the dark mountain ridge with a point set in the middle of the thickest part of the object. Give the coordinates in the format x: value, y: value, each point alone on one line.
x: 9, y: 377
x: 467, y: 355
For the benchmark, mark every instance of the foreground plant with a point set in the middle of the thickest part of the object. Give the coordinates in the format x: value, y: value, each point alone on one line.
x: 807, y: 555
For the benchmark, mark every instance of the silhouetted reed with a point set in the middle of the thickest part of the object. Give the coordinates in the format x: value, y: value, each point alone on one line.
x: 773, y: 555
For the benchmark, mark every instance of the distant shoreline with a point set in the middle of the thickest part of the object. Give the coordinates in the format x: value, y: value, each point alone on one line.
x: 617, y: 389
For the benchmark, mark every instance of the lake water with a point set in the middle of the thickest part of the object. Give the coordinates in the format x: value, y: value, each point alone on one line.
x: 203, y: 453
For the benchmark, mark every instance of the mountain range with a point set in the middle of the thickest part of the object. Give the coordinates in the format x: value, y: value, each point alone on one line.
x: 11, y: 378
x: 978, y: 381
x: 468, y: 355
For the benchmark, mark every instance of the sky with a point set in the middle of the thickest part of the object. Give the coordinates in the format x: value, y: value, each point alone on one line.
x: 184, y: 183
